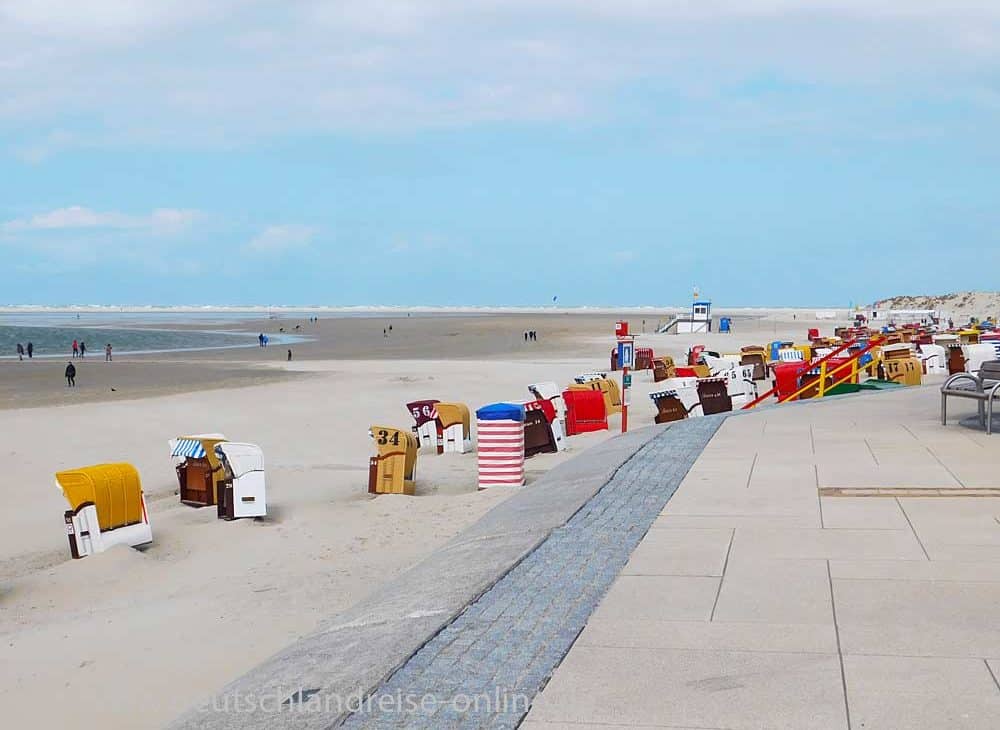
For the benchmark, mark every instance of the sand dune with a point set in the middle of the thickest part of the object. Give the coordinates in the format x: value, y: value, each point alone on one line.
x: 963, y: 304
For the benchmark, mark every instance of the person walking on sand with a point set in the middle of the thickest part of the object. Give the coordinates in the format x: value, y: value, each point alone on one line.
x: 31, y: 350
x: 83, y: 349
x: 107, y: 352
x: 289, y: 356
x: 20, y: 351
x: 260, y: 339
x: 70, y: 375
x: 76, y: 349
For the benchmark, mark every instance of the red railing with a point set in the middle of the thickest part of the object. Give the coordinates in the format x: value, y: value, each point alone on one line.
x: 812, y: 364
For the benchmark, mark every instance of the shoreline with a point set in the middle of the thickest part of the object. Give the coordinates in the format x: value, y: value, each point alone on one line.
x: 377, y: 310
x: 278, y: 339
x: 473, y: 339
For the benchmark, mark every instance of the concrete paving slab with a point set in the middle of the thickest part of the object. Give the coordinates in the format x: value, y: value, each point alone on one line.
x: 736, y: 690
x: 917, y: 618
x: 806, y: 543
x: 681, y: 551
x: 748, y: 502
x: 734, y: 521
x: 958, y: 521
x: 711, y: 635
x: 929, y: 570
x: 911, y: 692
x: 853, y: 451
x: 959, y: 552
x: 664, y: 598
x: 861, y: 512
x: 852, y: 474
x: 531, y: 725
x: 774, y: 472
x: 770, y: 453
x: 775, y: 591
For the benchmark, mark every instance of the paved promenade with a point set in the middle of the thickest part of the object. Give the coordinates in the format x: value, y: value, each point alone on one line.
x: 484, y: 668
x: 830, y: 566
x: 493, y: 611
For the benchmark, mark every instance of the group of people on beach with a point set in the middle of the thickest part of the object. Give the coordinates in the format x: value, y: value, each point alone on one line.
x: 22, y: 351
x: 263, y: 339
x: 531, y: 335
x: 80, y: 350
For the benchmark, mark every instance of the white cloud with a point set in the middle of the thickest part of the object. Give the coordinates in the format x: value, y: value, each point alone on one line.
x: 106, y: 19
x: 44, y: 147
x: 228, y: 71
x: 279, y: 239
x: 162, y: 221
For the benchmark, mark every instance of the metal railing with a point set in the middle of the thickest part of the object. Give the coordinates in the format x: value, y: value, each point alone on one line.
x: 820, y: 385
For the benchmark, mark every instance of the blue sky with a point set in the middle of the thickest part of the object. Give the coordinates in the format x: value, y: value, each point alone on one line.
x: 447, y: 152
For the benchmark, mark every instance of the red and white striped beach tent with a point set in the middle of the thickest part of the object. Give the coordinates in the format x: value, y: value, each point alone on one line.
x: 500, y: 429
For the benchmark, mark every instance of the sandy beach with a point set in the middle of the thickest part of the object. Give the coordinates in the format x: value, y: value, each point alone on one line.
x: 210, y: 599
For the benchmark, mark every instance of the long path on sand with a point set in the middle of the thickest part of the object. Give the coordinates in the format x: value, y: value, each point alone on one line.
x: 821, y: 565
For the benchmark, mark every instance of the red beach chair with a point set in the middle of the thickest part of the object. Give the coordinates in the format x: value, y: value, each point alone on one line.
x: 585, y: 411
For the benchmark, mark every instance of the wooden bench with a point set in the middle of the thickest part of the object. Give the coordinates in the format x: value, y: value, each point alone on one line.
x: 982, y: 388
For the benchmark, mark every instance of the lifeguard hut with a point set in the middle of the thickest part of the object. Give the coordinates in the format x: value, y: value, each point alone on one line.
x: 699, y: 319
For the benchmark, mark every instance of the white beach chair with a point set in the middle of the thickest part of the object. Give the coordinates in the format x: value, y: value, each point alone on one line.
x: 976, y: 355
x: 107, y: 508
x: 424, y: 414
x: 717, y: 365
x: 557, y: 425
x: 687, y: 390
x: 551, y: 392
x: 244, y: 492
x: 935, y: 359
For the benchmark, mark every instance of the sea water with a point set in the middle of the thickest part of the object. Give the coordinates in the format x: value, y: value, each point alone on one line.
x: 52, y: 335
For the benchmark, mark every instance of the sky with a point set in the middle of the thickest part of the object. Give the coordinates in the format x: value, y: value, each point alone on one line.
x: 455, y: 152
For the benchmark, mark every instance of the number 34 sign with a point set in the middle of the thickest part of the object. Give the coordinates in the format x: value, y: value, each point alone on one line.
x: 384, y: 438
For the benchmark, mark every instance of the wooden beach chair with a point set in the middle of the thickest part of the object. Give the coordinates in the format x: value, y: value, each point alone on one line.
x: 107, y: 508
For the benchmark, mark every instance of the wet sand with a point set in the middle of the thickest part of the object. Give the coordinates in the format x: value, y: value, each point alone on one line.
x: 40, y: 382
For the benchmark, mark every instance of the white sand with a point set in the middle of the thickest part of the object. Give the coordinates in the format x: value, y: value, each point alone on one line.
x: 128, y: 639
